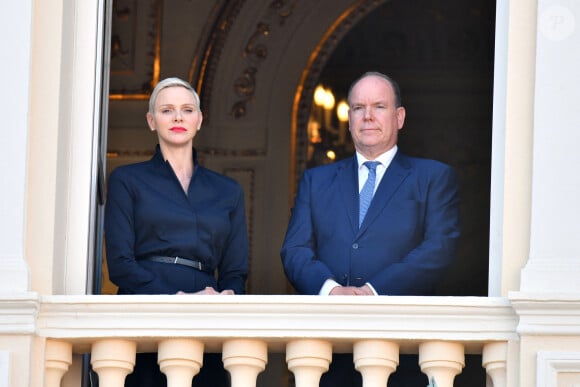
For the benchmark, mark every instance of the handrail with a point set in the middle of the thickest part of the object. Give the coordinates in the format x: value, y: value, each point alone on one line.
x: 276, y: 319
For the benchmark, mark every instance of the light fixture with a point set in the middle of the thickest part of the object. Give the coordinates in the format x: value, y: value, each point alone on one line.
x: 327, y: 133
x: 342, y: 111
x: 331, y: 154
x: 319, y: 95
x: 342, y: 114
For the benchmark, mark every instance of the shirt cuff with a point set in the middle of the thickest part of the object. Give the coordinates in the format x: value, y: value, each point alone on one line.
x: 327, y: 287
x: 373, y: 289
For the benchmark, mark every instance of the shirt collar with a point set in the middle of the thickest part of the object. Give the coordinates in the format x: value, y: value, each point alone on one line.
x: 158, y: 156
x: 384, y: 158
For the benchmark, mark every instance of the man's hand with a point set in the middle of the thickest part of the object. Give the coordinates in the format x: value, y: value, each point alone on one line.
x: 210, y: 290
x: 364, y: 290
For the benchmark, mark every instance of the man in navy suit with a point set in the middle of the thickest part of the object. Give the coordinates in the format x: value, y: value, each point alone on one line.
x: 408, y: 237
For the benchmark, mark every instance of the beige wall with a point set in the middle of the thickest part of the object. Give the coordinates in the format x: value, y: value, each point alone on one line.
x: 560, y: 346
x: 25, y: 360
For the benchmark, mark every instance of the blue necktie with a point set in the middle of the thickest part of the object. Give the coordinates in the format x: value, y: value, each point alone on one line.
x: 366, y: 194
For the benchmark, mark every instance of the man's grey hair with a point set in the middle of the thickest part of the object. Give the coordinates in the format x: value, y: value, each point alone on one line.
x: 392, y: 82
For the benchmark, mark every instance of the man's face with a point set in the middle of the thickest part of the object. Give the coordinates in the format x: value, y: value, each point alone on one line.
x: 374, y: 120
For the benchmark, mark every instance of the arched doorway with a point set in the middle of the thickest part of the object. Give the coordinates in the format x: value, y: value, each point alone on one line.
x: 442, y: 55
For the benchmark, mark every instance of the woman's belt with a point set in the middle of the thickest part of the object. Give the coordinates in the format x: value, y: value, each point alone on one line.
x: 180, y: 261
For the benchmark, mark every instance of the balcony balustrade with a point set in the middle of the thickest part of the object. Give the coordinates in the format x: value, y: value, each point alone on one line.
x: 308, y: 329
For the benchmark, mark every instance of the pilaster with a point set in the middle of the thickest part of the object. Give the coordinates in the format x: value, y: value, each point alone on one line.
x: 553, y: 264
x: 15, y: 59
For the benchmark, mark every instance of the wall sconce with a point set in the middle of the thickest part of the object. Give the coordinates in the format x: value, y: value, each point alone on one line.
x: 327, y: 132
x: 324, y: 102
x: 342, y: 114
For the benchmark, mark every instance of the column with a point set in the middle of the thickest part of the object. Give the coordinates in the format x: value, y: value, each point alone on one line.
x: 113, y: 360
x: 554, y: 252
x: 376, y: 360
x: 180, y: 360
x: 14, y: 276
x: 244, y: 359
x: 308, y: 359
x: 57, y: 360
x: 441, y: 361
x: 494, y: 360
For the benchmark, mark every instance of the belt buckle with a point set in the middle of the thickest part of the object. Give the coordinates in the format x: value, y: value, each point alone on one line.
x: 175, y: 260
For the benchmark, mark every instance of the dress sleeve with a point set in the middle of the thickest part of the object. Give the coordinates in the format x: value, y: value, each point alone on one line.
x: 233, y: 268
x: 124, y: 271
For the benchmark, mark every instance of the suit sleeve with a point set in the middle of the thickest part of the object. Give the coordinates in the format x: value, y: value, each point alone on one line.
x: 423, y: 267
x: 306, y: 273
x: 124, y: 271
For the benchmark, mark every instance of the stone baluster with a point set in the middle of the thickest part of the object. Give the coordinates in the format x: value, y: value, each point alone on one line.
x: 308, y: 359
x: 113, y: 360
x: 441, y: 361
x: 494, y: 360
x: 376, y: 360
x: 244, y: 359
x: 180, y: 360
x: 57, y: 360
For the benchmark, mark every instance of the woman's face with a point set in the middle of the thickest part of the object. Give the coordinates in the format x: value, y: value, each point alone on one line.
x: 176, y: 117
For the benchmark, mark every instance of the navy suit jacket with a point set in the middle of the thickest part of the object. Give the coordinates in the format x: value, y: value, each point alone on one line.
x: 407, y: 240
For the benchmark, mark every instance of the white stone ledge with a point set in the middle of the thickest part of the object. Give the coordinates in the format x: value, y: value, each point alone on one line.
x: 554, y: 313
x: 18, y: 313
x: 277, y: 319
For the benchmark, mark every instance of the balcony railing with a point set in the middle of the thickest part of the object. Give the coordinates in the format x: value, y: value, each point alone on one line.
x: 308, y: 329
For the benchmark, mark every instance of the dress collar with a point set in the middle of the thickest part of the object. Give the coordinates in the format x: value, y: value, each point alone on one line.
x: 158, y: 157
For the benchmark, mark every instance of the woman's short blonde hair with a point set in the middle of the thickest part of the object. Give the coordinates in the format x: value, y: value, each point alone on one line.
x: 171, y: 82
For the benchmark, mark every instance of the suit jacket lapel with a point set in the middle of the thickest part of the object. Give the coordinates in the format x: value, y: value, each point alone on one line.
x: 394, y: 176
x: 348, y: 183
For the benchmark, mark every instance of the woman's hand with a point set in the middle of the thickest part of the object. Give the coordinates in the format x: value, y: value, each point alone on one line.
x: 210, y: 290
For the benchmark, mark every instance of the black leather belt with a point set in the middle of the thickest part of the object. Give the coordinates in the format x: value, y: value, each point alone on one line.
x: 179, y: 261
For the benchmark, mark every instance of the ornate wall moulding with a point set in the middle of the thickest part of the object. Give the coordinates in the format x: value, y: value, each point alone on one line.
x: 135, y: 48
x: 552, y: 366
